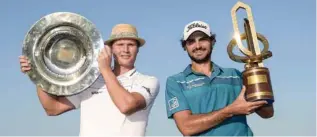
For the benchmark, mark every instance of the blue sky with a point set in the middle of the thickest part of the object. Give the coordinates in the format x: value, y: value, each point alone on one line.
x: 289, y: 26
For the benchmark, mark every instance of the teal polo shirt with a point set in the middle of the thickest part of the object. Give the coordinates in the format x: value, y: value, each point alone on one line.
x: 201, y: 94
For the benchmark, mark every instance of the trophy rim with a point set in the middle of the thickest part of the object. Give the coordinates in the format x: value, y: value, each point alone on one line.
x: 31, y: 41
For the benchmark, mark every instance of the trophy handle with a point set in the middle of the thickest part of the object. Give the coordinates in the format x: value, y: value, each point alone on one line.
x: 247, y: 59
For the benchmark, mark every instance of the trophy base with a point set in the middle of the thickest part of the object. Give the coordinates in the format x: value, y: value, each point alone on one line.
x: 258, y: 84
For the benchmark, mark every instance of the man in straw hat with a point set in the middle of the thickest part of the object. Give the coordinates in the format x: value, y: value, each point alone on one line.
x: 120, y: 100
x: 205, y: 99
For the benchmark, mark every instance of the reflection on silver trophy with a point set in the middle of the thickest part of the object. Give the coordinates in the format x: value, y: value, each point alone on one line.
x: 63, y: 48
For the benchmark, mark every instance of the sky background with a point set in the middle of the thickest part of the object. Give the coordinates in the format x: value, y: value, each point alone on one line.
x: 289, y: 26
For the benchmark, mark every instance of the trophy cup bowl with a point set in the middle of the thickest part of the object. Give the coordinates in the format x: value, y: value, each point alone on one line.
x: 62, y: 48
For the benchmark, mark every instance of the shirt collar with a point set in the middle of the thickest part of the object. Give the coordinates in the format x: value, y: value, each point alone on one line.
x: 127, y: 74
x: 215, y: 69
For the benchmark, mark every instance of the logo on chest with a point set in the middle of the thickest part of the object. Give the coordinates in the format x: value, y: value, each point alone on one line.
x: 187, y: 85
x: 96, y: 92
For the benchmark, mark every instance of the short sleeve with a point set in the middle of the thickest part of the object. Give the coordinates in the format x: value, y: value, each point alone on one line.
x: 174, y: 98
x: 148, y: 88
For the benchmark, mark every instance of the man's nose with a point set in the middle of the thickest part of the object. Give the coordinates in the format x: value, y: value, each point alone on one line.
x: 125, y: 48
x: 197, y: 44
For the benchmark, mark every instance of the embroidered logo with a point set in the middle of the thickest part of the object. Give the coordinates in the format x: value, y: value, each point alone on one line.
x: 193, y: 85
x: 196, y: 25
x: 173, y: 103
x: 95, y: 92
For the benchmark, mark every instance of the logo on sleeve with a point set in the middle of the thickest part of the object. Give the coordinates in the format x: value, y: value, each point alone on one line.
x: 147, y: 90
x: 173, y: 103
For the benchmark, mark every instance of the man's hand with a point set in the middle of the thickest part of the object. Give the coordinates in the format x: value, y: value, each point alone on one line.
x: 241, y: 106
x: 104, y: 58
x: 24, y: 64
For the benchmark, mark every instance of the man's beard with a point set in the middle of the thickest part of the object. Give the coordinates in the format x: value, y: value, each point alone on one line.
x: 203, y: 60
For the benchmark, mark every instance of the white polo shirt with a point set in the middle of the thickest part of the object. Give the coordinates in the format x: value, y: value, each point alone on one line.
x: 100, y: 117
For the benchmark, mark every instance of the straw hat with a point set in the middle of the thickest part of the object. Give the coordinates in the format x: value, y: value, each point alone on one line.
x: 124, y: 31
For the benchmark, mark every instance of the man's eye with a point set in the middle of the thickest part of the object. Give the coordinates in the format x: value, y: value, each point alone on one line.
x: 190, y: 41
x: 204, y: 38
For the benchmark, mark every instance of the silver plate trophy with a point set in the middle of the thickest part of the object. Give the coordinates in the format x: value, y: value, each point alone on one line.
x: 63, y: 48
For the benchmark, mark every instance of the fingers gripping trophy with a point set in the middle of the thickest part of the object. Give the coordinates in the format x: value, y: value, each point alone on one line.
x: 62, y: 48
x: 256, y: 77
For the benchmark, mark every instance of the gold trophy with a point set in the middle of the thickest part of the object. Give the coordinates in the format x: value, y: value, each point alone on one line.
x: 256, y: 77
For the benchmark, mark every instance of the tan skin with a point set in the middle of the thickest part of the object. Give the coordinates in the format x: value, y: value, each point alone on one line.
x: 191, y: 124
x: 125, y: 52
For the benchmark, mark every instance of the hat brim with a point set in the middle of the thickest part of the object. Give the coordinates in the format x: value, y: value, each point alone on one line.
x: 140, y: 40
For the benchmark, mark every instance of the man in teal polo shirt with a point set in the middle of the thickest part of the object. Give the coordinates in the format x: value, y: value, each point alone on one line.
x: 206, y: 99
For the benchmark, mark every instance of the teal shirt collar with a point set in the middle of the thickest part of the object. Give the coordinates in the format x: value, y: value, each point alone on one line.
x: 216, y: 70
